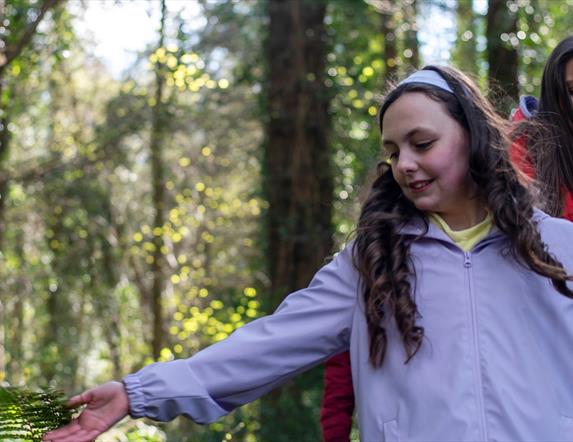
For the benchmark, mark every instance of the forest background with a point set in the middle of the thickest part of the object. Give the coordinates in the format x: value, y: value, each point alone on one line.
x: 146, y: 215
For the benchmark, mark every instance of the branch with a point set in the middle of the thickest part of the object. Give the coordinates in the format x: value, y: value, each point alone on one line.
x: 32, y: 173
x: 38, y: 171
x: 12, y: 52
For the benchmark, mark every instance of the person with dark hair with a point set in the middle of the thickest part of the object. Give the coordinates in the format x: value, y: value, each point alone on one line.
x: 547, y: 135
x: 453, y: 299
x: 544, y: 149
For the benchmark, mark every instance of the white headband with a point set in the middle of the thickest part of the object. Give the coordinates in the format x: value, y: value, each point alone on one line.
x: 428, y: 76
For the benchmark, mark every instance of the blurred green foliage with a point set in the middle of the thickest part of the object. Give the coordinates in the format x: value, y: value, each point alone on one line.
x: 77, y: 237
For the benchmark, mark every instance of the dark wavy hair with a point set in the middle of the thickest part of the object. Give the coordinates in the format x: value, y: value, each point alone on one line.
x: 382, y: 255
x: 550, y: 134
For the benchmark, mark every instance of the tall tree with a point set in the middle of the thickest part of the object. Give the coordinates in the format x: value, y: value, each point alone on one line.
x: 388, y: 32
x: 298, y: 180
x: 18, y: 32
x: 158, y: 196
x: 298, y: 173
x: 502, y: 45
x: 20, y: 22
x: 411, y: 44
x: 465, y: 52
x: 21, y: 29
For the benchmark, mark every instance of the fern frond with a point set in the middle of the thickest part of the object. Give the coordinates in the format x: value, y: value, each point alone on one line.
x: 25, y: 415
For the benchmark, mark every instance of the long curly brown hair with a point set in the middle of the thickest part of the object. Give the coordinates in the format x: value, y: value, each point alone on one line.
x: 382, y: 255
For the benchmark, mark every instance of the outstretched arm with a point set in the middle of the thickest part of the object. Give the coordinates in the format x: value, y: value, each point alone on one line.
x: 105, y: 405
x: 309, y: 326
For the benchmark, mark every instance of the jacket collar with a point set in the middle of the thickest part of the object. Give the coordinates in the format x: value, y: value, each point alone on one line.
x: 417, y: 227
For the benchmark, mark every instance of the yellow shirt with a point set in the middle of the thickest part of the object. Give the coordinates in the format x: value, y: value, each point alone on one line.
x: 466, y: 238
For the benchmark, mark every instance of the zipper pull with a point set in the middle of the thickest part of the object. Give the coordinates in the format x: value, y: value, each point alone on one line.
x: 467, y: 260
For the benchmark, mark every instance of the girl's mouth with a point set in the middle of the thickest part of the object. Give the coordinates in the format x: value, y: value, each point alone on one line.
x: 420, y: 186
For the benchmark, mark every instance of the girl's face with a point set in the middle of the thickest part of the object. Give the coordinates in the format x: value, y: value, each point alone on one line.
x: 569, y: 77
x: 429, y: 155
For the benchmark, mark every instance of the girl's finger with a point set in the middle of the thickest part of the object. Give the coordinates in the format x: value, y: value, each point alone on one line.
x: 80, y: 399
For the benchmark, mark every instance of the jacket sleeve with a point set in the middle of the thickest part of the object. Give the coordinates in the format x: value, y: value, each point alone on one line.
x: 308, y: 327
x: 338, y: 400
x: 519, y: 157
x: 518, y: 152
x: 568, y: 205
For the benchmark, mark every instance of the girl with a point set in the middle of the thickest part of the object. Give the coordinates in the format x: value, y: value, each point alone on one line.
x: 453, y: 299
x: 547, y: 136
x: 545, y: 151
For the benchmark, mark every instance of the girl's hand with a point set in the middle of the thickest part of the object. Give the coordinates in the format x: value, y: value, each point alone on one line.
x: 105, y: 405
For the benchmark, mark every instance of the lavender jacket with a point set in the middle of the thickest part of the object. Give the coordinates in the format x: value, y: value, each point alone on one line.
x: 496, y: 363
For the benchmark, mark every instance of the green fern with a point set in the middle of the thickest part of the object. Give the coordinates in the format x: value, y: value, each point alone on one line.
x: 26, y: 415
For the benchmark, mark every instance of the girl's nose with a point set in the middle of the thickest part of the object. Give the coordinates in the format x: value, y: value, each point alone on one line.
x: 406, y: 164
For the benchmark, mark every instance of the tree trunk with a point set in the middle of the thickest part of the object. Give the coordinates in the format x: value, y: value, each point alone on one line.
x: 530, y: 68
x: 113, y: 329
x: 388, y: 31
x: 298, y: 184
x: 4, y: 141
x: 15, y: 368
x: 104, y: 301
x: 15, y: 319
x: 465, y: 51
x: 8, y: 53
x: 158, y: 198
x: 411, y: 44
x: 502, y: 52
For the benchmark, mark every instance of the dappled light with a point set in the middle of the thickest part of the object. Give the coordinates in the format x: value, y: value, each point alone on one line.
x: 147, y: 215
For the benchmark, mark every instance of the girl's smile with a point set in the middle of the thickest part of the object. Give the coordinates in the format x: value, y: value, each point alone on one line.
x: 420, y: 186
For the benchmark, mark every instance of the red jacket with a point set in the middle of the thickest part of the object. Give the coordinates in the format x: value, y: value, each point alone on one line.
x: 338, y: 400
x: 520, y: 157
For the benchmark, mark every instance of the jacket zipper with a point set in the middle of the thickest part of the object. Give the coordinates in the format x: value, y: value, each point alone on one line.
x: 477, y: 365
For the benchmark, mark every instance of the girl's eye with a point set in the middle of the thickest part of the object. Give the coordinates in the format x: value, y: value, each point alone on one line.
x: 425, y: 145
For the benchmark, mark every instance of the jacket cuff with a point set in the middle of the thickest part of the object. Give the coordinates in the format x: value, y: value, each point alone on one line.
x: 134, y: 395
x: 164, y: 390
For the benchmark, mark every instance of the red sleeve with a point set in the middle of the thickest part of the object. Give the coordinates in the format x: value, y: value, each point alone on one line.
x: 518, y: 154
x: 568, y: 206
x: 338, y: 400
x: 520, y: 158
